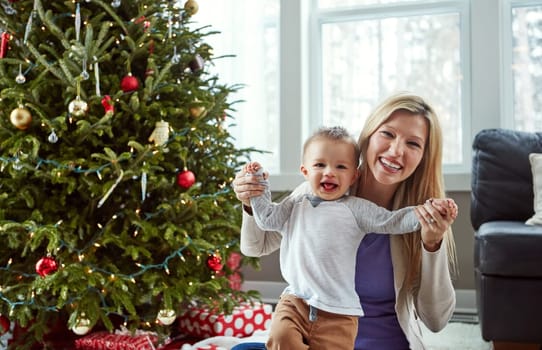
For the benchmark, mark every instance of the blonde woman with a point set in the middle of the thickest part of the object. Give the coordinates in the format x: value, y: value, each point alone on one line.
x: 400, y: 279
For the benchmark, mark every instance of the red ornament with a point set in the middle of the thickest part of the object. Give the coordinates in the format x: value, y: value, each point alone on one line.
x: 4, y: 324
x: 235, y: 281
x: 106, y: 102
x: 214, y: 262
x: 4, y: 44
x: 46, y: 266
x: 234, y: 261
x: 186, y: 179
x: 129, y: 83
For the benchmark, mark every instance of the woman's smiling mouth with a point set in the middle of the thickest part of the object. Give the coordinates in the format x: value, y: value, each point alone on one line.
x: 393, y: 166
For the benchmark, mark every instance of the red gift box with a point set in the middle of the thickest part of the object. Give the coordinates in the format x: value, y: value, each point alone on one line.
x: 108, y: 341
x: 244, y: 320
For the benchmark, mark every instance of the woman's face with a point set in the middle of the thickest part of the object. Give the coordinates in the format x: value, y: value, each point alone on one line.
x: 396, y: 148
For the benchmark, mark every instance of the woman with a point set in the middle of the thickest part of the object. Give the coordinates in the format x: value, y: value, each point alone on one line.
x: 399, y: 279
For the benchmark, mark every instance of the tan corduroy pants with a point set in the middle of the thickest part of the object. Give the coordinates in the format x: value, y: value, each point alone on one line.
x: 293, y: 329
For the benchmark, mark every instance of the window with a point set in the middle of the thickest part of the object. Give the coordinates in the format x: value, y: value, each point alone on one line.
x: 247, y: 53
x: 310, y: 62
x: 370, y: 52
x: 523, y: 62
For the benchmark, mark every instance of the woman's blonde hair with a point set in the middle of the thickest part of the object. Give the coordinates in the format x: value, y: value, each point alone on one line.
x: 426, y: 181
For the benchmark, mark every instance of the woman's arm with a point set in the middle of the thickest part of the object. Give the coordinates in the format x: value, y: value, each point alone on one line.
x: 435, y: 300
x: 256, y: 242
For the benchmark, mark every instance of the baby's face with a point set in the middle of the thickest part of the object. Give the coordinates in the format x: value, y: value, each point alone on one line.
x: 330, y: 167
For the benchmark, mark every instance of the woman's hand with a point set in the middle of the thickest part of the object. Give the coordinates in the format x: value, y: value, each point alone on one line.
x: 247, y: 185
x: 436, y: 216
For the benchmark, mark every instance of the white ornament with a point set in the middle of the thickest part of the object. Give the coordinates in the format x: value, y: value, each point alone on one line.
x: 53, y: 138
x: 20, y: 78
x: 82, y: 326
x: 166, y: 317
x: 160, y: 134
x: 143, y: 186
x: 108, y: 193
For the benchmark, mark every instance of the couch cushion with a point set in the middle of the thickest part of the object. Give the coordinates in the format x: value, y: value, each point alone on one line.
x: 508, y: 248
x: 502, y: 183
x: 536, y: 170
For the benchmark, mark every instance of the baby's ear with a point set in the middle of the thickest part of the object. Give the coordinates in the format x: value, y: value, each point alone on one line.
x: 304, y: 171
x: 355, y: 177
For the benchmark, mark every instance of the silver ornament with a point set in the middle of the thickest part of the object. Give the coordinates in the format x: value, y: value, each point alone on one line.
x: 53, y: 138
x: 78, y: 107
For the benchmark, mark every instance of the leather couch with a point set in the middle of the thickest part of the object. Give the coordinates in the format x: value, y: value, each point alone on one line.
x: 507, y: 252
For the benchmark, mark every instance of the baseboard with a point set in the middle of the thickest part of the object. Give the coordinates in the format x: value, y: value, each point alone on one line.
x: 269, y: 291
x: 465, y: 306
x: 465, y: 310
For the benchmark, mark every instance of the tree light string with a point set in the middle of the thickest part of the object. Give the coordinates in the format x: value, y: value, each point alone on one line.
x: 92, y: 269
x: 164, y: 265
x: 77, y: 169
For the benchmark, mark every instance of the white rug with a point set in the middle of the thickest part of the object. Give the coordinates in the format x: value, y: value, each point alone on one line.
x: 456, y: 336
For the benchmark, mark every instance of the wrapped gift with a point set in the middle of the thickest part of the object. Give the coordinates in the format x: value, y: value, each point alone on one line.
x: 244, y: 320
x: 117, y: 341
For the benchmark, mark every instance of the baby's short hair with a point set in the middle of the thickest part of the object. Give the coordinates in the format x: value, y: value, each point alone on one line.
x: 334, y: 133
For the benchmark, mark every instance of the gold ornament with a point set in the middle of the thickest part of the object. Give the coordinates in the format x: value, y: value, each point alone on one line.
x: 166, y: 317
x: 198, y: 110
x: 191, y: 7
x: 78, y: 107
x: 20, y: 117
x: 82, y: 326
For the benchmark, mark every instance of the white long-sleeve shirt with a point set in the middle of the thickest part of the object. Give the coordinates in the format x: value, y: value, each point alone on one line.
x: 319, y: 244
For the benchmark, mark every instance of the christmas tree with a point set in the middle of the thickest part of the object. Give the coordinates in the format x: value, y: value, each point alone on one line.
x: 115, y: 165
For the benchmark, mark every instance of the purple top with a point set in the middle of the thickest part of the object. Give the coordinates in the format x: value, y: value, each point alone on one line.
x: 379, y: 328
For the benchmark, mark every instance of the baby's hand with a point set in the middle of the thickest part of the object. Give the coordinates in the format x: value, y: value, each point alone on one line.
x: 255, y: 168
x: 445, y: 206
x: 252, y: 168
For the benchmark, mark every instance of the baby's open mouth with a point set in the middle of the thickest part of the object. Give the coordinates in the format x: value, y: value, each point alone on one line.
x: 328, y: 186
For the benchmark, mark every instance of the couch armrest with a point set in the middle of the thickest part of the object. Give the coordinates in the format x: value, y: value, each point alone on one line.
x: 510, y: 248
x: 502, y: 183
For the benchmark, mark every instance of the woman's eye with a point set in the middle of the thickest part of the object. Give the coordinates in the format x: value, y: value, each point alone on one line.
x: 386, y: 133
x: 414, y: 144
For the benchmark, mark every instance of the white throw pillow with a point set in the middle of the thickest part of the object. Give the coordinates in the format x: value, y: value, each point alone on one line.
x: 536, y: 168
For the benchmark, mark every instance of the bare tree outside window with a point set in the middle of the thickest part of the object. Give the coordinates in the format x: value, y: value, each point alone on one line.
x: 527, y: 67
x: 364, y: 61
